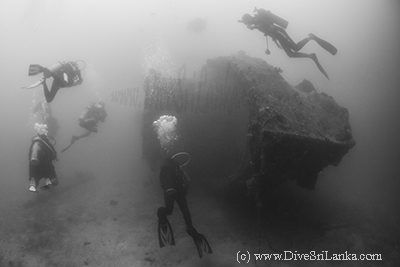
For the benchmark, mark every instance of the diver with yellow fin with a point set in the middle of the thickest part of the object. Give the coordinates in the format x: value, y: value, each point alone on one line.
x: 65, y: 74
x: 174, y: 182
x: 274, y: 26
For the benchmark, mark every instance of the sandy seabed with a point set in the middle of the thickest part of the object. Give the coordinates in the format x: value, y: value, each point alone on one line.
x: 84, y: 222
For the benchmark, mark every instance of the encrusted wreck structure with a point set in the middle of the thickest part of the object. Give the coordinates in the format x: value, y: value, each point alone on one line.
x: 240, y: 120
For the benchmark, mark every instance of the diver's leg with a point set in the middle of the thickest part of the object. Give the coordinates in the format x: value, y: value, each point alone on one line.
x: 32, y: 185
x: 292, y: 53
x: 91, y: 121
x: 33, y: 178
x: 295, y: 46
x: 53, y: 176
x: 46, y: 92
x: 52, y: 93
x: 90, y: 124
x: 83, y: 135
x: 35, y: 174
x: 162, y: 215
x: 169, y: 203
x: 301, y: 44
x: 47, y: 73
x: 288, y: 47
x: 286, y: 42
x: 73, y: 139
x: 59, y: 77
x: 183, y: 206
x: 313, y: 56
x: 76, y: 138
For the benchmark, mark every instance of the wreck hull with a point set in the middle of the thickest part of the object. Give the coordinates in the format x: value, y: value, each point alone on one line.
x: 241, y: 118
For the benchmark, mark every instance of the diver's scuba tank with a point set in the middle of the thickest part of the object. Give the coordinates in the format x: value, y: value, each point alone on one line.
x: 83, y: 116
x: 35, y: 153
x: 271, y: 18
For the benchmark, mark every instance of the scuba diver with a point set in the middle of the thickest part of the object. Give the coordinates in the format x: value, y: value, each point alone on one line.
x: 65, y: 74
x: 43, y: 110
x: 89, y: 119
x: 274, y: 26
x: 41, y: 156
x: 174, y: 182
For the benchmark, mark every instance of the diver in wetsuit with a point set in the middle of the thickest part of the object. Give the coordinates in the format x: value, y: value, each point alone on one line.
x: 41, y: 156
x: 174, y: 182
x: 89, y: 119
x: 274, y: 26
x: 65, y: 74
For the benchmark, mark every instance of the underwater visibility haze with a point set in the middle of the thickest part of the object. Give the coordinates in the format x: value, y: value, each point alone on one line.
x: 104, y: 210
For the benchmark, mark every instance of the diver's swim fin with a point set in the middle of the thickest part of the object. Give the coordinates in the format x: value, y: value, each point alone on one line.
x: 45, y: 187
x: 35, y: 69
x: 314, y: 57
x: 165, y: 234
x: 324, y: 44
x: 36, y: 84
x: 73, y: 139
x: 48, y: 185
x: 200, y: 241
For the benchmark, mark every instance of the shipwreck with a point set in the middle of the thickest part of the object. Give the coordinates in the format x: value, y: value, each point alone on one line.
x: 239, y: 119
